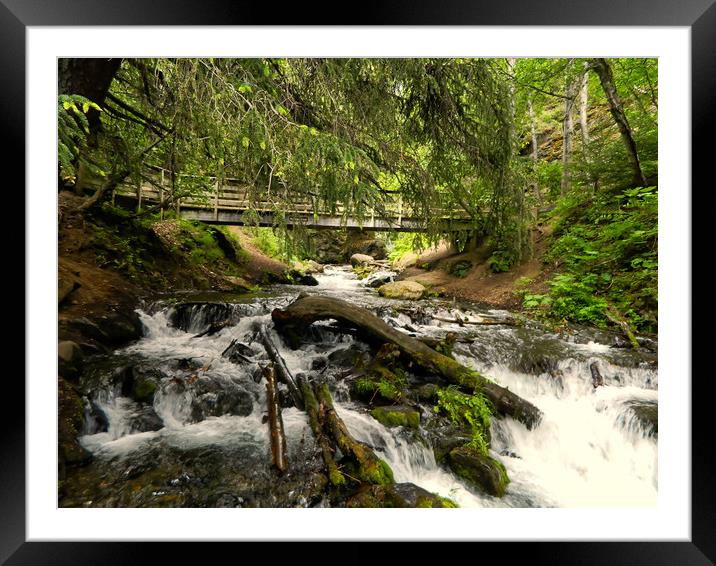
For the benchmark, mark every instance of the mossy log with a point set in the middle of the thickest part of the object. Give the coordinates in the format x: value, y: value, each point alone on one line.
x: 314, y: 419
x: 308, y: 309
x: 370, y: 468
x: 281, y: 369
x: 278, y: 437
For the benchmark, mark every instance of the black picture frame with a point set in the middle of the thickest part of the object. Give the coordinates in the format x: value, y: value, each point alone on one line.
x: 699, y: 15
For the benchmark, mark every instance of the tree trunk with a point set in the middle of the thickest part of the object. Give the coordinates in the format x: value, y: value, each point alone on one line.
x: 90, y: 78
x: 583, y: 105
x: 604, y: 71
x: 567, y: 134
x: 584, y: 126
x: 284, y: 373
x: 535, y: 149
x: 278, y: 438
x: 295, y: 318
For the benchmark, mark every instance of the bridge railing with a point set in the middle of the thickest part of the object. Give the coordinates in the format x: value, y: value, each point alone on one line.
x: 234, y: 194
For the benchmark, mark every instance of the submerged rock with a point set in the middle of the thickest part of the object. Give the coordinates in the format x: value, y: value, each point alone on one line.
x: 397, y: 415
x: 479, y: 470
x: 378, y: 278
x: 215, y: 400
x: 402, y: 290
x: 646, y: 414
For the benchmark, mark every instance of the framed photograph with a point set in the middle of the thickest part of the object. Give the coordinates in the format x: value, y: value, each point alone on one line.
x: 665, y: 519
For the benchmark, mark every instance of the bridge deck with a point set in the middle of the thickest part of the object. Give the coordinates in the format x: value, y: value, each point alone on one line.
x: 227, y: 204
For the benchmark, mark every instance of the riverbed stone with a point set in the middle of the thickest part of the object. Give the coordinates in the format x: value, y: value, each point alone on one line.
x: 397, y: 415
x: 399, y: 495
x: 410, y: 290
x: 361, y: 259
x: 70, y: 424
x: 300, y: 278
x: 647, y: 414
x: 69, y: 358
x: 379, y: 278
x: 479, y: 470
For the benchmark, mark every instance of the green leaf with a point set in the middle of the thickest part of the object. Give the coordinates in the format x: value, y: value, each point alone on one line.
x: 245, y: 141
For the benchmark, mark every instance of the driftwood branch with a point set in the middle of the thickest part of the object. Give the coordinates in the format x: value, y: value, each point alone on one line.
x: 293, y: 320
x: 278, y: 438
x: 284, y: 374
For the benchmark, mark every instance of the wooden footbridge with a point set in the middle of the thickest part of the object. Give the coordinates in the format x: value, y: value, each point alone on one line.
x: 231, y: 202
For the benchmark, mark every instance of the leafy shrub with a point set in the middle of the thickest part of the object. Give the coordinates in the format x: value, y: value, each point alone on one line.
x: 500, y: 261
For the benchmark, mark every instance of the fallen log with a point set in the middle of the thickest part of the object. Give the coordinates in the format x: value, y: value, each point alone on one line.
x: 314, y: 420
x: 284, y: 374
x: 370, y: 468
x: 613, y: 315
x: 461, y: 322
x: 292, y: 320
x: 278, y: 438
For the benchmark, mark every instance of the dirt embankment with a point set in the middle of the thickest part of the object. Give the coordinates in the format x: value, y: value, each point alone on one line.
x: 434, y: 269
x: 103, y: 270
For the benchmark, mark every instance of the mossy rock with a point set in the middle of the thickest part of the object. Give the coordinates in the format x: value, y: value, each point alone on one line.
x: 479, y: 470
x: 70, y: 423
x: 411, y: 290
x: 143, y: 390
x: 398, y: 415
x: 399, y: 495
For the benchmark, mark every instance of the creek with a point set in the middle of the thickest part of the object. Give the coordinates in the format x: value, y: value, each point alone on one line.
x: 171, y: 422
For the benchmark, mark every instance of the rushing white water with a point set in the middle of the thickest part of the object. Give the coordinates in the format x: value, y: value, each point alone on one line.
x: 589, y: 450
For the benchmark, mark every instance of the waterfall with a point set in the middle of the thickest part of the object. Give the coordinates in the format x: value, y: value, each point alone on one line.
x: 594, y: 446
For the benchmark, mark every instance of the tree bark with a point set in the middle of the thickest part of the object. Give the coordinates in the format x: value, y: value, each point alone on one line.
x: 567, y: 126
x: 293, y: 320
x: 535, y: 149
x: 284, y: 373
x: 604, y: 71
x: 278, y: 438
x: 90, y: 77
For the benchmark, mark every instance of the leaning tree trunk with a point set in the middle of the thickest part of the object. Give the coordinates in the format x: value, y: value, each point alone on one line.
x: 604, y: 71
x: 294, y: 319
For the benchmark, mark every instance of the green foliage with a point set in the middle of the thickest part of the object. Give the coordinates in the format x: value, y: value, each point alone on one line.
x: 461, y: 268
x: 549, y: 176
x: 500, y: 261
x: 266, y: 240
x: 404, y: 243
x: 606, y: 248
x: 471, y: 410
x: 72, y: 131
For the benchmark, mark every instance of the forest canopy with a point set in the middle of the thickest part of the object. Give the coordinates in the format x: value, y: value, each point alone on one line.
x: 489, y: 141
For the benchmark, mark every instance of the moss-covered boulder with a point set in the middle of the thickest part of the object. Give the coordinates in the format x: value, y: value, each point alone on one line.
x: 399, y: 495
x: 397, y: 415
x: 139, y: 383
x: 70, y: 422
x: 411, y: 290
x: 479, y: 470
